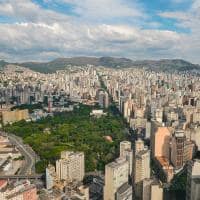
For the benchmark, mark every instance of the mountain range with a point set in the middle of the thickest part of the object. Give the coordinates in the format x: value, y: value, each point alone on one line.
x: 111, y: 62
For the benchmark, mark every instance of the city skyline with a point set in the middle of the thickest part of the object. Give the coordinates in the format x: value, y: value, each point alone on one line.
x: 42, y: 30
x: 99, y: 99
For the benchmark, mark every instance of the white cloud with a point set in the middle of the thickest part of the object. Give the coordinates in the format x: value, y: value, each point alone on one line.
x: 42, y: 34
x: 190, y: 20
x: 26, y: 10
x: 37, y: 40
x: 196, y: 4
x: 106, y: 8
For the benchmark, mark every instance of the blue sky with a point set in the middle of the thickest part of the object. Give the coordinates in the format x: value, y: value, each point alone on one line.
x: 139, y: 29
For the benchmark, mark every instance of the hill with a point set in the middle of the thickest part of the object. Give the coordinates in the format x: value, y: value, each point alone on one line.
x: 112, y: 62
x: 167, y: 65
x: 59, y: 64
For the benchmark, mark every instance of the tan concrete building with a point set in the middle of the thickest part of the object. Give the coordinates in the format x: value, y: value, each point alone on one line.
x: 14, y: 116
x: 188, y: 151
x: 152, y: 190
x: 159, y: 115
x: 156, y: 192
x: 181, y: 149
x: 116, y: 174
x: 139, y: 145
x: 124, y: 192
x: 51, y: 177
x: 193, y: 180
x: 71, y: 166
x: 160, y: 146
x: 124, y: 146
x: 177, y: 149
x: 141, y: 169
x: 127, y: 153
x: 161, y: 142
x: 138, y: 123
x: 165, y: 169
x: 142, y: 166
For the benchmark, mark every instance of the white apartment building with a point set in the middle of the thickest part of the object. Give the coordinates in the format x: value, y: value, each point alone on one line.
x: 71, y: 166
x: 116, y: 174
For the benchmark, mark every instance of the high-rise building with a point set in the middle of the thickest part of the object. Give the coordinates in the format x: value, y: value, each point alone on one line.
x: 50, y: 177
x: 161, y: 142
x: 139, y: 145
x: 148, y: 130
x: 124, y: 192
x: 181, y: 149
x: 106, y: 99
x: 152, y: 190
x: 116, y: 174
x: 142, y: 166
x: 159, y: 115
x: 127, y: 153
x: 193, y: 180
x: 160, y: 148
x: 103, y: 99
x: 156, y: 192
x: 177, y: 149
x: 71, y: 166
x: 141, y: 169
x: 188, y: 151
x: 124, y: 146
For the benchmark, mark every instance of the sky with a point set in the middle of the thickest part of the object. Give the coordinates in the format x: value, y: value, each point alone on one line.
x: 42, y: 30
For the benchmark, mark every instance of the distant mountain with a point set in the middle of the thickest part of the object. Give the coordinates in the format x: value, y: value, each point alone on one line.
x: 2, y: 64
x: 167, y: 65
x: 112, y: 62
x: 115, y: 62
x: 59, y: 64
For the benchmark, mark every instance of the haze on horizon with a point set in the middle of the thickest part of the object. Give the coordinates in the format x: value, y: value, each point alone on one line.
x: 42, y: 30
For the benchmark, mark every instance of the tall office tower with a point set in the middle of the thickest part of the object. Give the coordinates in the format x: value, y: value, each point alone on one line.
x: 122, y: 100
x: 193, y: 180
x: 177, y: 149
x: 188, y: 151
x: 71, y: 166
x: 124, y: 145
x: 181, y: 149
x: 50, y: 103
x: 160, y: 151
x: 127, y: 153
x: 128, y: 109
x: 26, y: 95
x: 159, y: 115
x: 161, y: 142
x: 198, y: 103
x: 141, y: 170
x: 106, y: 99
x: 152, y: 190
x: 139, y: 145
x: 103, y: 99
x: 141, y: 166
x: 125, y: 111
x: 50, y: 176
x: 148, y: 130
x: 116, y: 174
x: 124, y: 192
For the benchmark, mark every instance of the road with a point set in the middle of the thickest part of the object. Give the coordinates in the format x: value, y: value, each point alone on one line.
x: 30, y: 158
x: 37, y: 176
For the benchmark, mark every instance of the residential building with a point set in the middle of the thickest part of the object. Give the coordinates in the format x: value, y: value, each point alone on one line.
x: 71, y: 166
x: 116, y: 174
